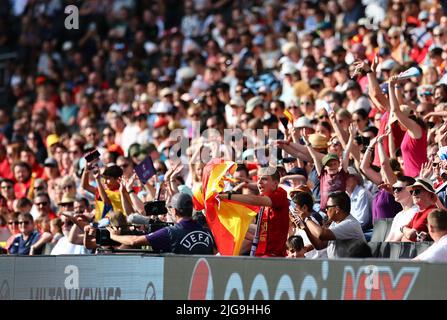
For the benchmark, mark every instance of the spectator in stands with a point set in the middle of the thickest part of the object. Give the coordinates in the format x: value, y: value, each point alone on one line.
x: 275, y: 219
x: 343, y: 226
x: 437, y: 227
x: 28, y: 235
x: 424, y: 197
x: 360, y: 199
x: 12, y: 219
x: 295, y: 247
x: 403, y: 196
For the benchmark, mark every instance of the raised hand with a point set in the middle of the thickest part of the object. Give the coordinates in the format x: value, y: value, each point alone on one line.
x: 353, y: 129
x: 426, y: 169
x: 375, y: 63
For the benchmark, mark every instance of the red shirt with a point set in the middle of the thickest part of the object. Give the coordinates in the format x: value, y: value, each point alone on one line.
x: 419, y: 221
x: 330, y: 184
x: 274, y: 226
x: 5, y: 170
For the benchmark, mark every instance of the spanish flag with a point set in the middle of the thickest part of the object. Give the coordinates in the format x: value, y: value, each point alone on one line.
x: 288, y: 115
x: 228, y: 219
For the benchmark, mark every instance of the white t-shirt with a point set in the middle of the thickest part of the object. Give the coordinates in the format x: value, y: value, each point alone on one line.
x: 401, y: 219
x: 436, y: 253
x: 63, y: 246
x: 346, y: 230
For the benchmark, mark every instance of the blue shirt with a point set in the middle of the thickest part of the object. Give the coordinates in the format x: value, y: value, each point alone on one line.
x: 22, y: 247
x: 195, y: 239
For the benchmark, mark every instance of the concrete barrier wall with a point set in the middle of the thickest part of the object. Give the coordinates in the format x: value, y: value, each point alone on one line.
x: 141, y: 277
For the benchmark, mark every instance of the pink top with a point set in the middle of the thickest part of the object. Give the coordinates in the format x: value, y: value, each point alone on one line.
x: 414, y: 153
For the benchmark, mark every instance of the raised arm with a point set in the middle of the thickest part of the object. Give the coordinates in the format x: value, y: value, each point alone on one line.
x: 102, y: 191
x: 251, y: 199
x: 374, y: 91
x: 85, y: 181
x: 352, y: 133
x: 315, y: 158
x: 341, y: 134
x: 414, y: 130
x: 125, y: 187
x: 365, y: 166
x: 385, y: 165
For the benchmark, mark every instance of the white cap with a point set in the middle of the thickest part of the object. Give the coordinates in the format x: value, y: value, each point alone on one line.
x: 161, y: 107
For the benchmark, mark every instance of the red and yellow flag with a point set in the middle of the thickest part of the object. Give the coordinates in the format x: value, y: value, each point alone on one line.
x: 228, y: 219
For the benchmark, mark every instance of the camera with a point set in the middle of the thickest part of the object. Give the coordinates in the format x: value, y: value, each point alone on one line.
x: 157, y: 224
x: 103, y: 236
x: 155, y: 208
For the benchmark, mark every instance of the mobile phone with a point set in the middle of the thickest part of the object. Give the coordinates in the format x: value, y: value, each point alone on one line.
x: 92, y: 156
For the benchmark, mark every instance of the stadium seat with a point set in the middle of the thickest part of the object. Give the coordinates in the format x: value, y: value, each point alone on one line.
x: 381, y: 229
x: 47, y: 249
x: 352, y: 249
x: 384, y: 251
x: 422, y: 246
x: 375, y: 248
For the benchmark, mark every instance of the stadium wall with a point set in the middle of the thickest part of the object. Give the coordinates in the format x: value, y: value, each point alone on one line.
x: 148, y: 277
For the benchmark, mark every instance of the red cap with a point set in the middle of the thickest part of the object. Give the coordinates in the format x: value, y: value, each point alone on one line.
x: 116, y: 148
x: 160, y: 123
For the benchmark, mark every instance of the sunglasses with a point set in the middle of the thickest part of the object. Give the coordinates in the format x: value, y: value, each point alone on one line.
x: 25, y: 222
x: 328, y: 207
x: 438, y: 34
x: 416, y: 192
x: 323, y: 116
x: 124, y: 166
x: 397, y: 189
x: 293, y: 107
x: 13, y: 223
x: 42, y: 204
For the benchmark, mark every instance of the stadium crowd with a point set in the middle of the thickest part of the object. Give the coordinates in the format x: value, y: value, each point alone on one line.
x: 355, y: 92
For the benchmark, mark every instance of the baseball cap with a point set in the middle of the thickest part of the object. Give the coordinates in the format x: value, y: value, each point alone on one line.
x: 181, y: 200
x: 50, y: 162
x: 165, y: 92
x: 161, y: 107
x: 352, y: 85
x: 329, y: 157
x: 324, y: 25
x: 423, y: 15
x: 252, y: 103
x: 425, y: 183
x: 318, y: 42
x: 303, y: 122
x: 340, y: 66
x: 113, y: 171
x: 315, y: 82
x: 297, y: 170
x: 52, y: 139
x: 328, y: 71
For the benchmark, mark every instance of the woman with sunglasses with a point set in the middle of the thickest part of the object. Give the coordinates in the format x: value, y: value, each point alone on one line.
x: 28, y: 236
x: 403, y: 196
x: 424, y: 196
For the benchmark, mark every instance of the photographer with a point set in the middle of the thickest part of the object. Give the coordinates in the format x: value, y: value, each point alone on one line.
x: 185, y: 237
